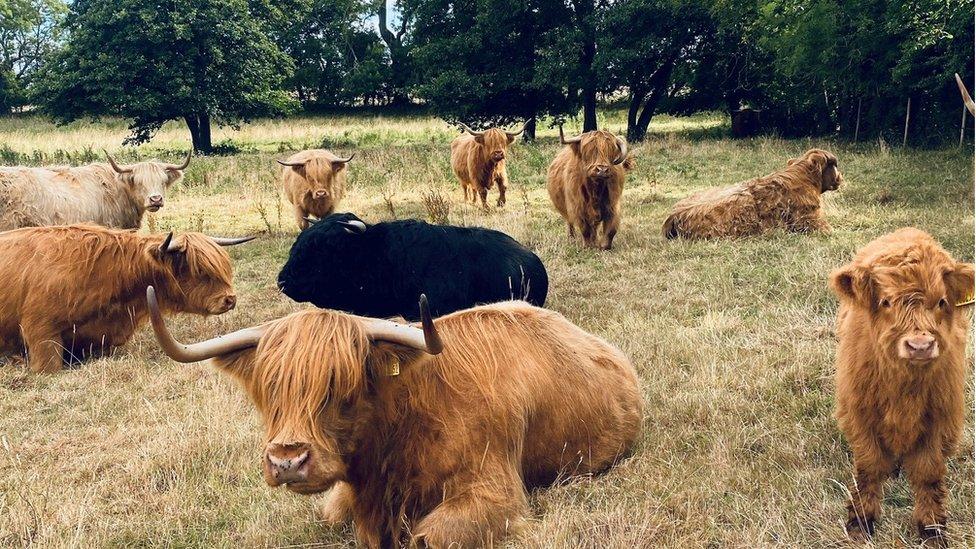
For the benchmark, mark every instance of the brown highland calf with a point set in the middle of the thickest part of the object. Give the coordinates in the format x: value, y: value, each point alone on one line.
x: 429, y: 435
x: 788, y: 199
x: 314, y: 182
x: 901, y: 370
x: 585, y: 183
x: 74, y: 291
x: 478, y: 161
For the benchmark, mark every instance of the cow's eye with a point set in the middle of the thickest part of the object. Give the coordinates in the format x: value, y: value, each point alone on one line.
x: 885, y: 303
x: 944, y: 303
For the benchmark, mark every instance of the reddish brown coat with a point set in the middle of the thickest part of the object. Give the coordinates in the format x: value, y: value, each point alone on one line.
x: 788, y: 199
x: 478, y: 162
x: 443, y: 451
x: 901, y: 370
x: 314, y: 183
x: 585, y: 186
x: 80, y: 289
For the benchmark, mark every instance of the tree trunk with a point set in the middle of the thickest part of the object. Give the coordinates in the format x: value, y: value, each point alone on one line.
x: 584, y: 20
x: 199, y: 125
x: 398, y: 56
x: 529, y: 134
x: 637, y: 128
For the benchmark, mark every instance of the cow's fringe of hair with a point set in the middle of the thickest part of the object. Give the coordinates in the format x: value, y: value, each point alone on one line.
x: 332, y: 344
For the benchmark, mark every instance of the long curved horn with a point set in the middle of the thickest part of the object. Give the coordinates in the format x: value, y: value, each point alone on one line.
x: 355, y: 226
x: 622, y: 147
x: 290, y: 164
x: 965, y: 96
x: 181, y: 167
x: 564, y: 141
x: 181, y: 352
x: 115, y: 166
x: 221, y: 241
x: 469, y: 130
x: 513, y: 135
x: 345, y: 160
x: 424, y: 339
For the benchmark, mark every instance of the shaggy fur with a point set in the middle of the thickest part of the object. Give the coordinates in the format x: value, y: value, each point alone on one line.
x: 79, y: 290
x: 381, y: 271
x: 316, y: 187
x: 587, y: 202
x: 788, y: 199
x: 479, y: 164
x: 895, y: 411
x: 40, y: 197
x: 443, y: 452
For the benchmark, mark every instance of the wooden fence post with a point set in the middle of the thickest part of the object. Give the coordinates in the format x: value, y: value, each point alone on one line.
x: 908, y: 112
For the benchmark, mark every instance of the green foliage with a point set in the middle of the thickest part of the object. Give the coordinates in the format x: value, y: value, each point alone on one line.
x: 153, y: 62
x: 492, y: 61
x: 29, y: 32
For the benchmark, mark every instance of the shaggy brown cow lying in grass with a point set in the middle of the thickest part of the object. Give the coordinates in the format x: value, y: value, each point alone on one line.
x: 478, y: 161
x: 788, y: 199
x: 585, y: 183
x: 73, y: 291
x: 314, y: 183
x: 901, y: 371
x: 429, y: 435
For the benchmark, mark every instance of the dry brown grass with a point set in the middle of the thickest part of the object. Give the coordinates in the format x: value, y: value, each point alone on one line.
x: 733, y: 342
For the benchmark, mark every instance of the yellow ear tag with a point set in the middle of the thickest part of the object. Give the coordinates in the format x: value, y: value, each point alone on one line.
x: 393, y: 368
x: 968, y: 301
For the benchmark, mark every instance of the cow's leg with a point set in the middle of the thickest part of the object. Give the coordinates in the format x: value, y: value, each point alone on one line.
x: 44, y: 346
x: 587, y: 232
x: 336, y: 508
x: 483, y: 194
x: 480, y: 516
x: 926, y: 470
x: 872, y: 466
x: 610, y: 227
x: 501, y: 191
x: 300, y: 216
x: 572, y: 230
x: 464, y: 189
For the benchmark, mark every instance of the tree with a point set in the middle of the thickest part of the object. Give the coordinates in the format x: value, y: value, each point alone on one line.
x: 202, y: 61
x: 399, y: 52
x: 29, y: 31
x: 644, y: 44
x: 491, y: 62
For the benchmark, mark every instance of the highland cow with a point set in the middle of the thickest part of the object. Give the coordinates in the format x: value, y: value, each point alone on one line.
x: 788, y: 199
x: 314, y: 183
x: 75, y: 291
x: 379, y: 270
x: 586, y: 181
x: 478, y: 161
x: 110, y: 195
x: 431, y: 435
x: 901, y: 370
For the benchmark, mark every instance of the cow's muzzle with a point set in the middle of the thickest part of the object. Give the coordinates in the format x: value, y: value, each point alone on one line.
x: 919, y: 348
x: 155, y: 203
x: 320, y: 194
x: 286, y: 463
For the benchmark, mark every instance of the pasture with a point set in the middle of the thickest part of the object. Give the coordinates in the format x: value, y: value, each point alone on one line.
x: 733, y: 342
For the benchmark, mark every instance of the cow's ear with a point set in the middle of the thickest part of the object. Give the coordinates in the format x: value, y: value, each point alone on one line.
x: 792, y: 161
x: 391, y: 360
x: 959, y: 282
x: 854, y: 284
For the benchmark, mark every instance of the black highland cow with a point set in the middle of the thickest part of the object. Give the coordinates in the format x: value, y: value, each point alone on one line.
x: 379, y: 270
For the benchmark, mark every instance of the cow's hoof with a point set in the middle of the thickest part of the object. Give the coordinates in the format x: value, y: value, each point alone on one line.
x: 860, y: 529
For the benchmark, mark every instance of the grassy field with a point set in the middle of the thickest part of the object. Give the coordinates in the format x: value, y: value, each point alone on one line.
x: 733, y: 342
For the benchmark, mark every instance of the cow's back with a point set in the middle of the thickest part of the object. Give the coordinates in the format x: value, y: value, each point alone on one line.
x: 570, y: 400
x: 32, y: 197
x: 728, y: 211
x: 458, y: 267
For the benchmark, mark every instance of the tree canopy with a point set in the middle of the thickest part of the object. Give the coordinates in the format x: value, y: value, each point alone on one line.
x: 195, y: 60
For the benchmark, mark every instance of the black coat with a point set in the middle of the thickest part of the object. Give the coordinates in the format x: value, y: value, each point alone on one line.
x: 382, y: 270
